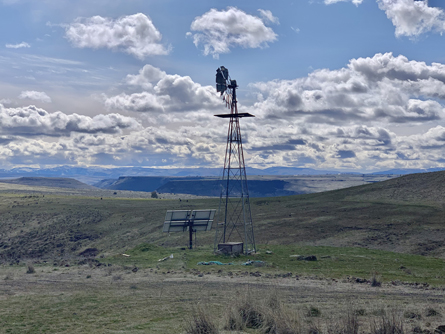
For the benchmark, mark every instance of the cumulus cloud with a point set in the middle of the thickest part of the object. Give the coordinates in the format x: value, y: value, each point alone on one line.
x: 380, y: 89
x: 33, y: 121
x: 146, y: 77
x: 18, y: 46
x: 163, y: 93
x: 412, y: 18
x: 219, y: 31
x: 36, y: 96
x: 133, y: 34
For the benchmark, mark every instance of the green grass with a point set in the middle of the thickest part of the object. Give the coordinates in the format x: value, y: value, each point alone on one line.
x: 332, y: 262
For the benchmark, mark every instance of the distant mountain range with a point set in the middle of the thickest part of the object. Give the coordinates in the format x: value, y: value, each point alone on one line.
x: 92, y: 175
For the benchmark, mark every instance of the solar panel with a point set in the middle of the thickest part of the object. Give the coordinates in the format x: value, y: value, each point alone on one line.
x: 203, y: 219
x: 188, y: 220
x: 176, y: 220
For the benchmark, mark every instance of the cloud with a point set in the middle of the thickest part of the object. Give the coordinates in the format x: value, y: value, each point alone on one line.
x: 412, y: 18
x: 36, y: 96
x: 219, y: 31
x: 355, y: 2
x: 32, y: 121
x: 18, y: 46
x: 146, y: 77
x: 163, y: 93
x: 376, y: 90
x: 133, y: 34
x: 268, y: 16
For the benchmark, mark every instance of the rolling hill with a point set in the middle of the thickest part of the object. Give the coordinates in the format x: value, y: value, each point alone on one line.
x: 259, y: 186
x: 57, y: 182
x: 405, y: 214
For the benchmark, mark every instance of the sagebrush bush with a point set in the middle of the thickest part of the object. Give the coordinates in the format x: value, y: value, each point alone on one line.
x: 30, y: 269
x: 376, y: 280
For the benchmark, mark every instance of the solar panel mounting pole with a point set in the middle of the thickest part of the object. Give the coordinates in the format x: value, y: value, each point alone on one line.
x: 234, y: 211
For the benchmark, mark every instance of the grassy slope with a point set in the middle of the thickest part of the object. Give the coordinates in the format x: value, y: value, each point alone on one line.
x: 389, y: 215
x: 60, y: 182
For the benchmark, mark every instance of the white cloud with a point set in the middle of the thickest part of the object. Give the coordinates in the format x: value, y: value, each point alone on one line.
x: 133, y: 34
x: 36, y: 96
x: 163, y: 93
x: 378, y: 90
x: 412, y: 18
x: 355, y: 2
x: 33, y: 121
x: 219, y: 31
x: 5, y: 101
x: 146, y: 77
x: 268, y: 16
x: 18, y: 46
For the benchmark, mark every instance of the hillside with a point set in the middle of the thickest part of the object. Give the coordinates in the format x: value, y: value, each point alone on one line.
x: 259, y: 186
x: 58, y: 182
x: 403, y: 215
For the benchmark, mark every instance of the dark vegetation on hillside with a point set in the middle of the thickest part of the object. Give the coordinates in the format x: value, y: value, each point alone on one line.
x: 404, y: 215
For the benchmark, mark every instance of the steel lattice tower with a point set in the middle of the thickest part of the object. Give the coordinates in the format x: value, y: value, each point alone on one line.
x: 234, y: 212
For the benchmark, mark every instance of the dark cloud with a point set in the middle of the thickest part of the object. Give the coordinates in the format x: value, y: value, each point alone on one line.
x: 345, y: 154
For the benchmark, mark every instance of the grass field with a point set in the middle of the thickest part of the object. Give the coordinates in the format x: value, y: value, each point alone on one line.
x: 332, y: 262
x: 383, y: 233
x: 117, y: 299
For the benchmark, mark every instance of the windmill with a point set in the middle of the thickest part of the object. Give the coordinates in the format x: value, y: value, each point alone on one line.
x: 235, y: 225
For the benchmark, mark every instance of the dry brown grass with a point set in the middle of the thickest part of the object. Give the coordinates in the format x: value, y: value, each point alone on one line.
x: 200, y: 322
x: 391, y: 323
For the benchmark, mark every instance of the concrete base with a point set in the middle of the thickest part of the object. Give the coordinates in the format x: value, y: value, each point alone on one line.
x: 231, y: 248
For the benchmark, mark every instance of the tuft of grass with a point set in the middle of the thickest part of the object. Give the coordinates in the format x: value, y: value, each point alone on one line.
x: 200, y: 322
x: 388, y: 324
x: 266, y: 315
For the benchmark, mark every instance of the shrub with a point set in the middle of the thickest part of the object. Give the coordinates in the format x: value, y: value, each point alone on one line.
x: 430, y: 312
x: 154, y: 194
x: 376, y: 280
x: 31, y: 269
x: 360, y: 312
x: 411, y: 315
x: 313, y: 312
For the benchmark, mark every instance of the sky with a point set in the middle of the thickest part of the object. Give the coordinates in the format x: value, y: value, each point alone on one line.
x: 348, y: 85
